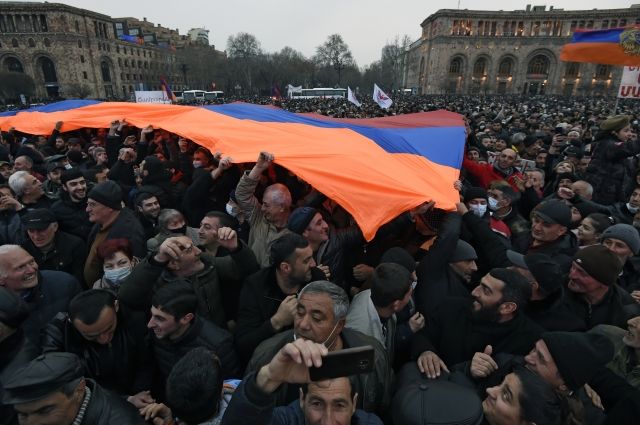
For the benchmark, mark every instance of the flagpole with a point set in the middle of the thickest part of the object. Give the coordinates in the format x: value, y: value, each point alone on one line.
x: 615, y: 107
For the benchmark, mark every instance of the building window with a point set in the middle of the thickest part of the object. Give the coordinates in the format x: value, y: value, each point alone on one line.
x: 605, y: 24
x: 77, y: 26
x: 106, y: 72
x: 539, y: 65
x: 614, y: 23
x: 47, y: 42
x: 48, y: 70
x: 84, y: 74
x: 623, y: 23
x: 13, y: 65
x: 480, y: 68
x: 603, y: 72
x: 31, y: 43
x: 81, y: 59
x: 572, y: 70
x: 455, y: 66
x: 117, y: 49
x: 43, y: 23
x: 80, y: 44
x: 14, y: 42
x: 120, y: 62
x: 505, y: 67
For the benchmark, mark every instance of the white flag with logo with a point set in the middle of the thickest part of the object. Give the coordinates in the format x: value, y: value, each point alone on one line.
x: 381, y: 98
x: 351, y: 97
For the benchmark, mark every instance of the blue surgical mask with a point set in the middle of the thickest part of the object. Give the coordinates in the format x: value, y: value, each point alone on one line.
x: 478, y: 209
x: 117, y: 275
x: 232, y: 210
x: 493, y: 203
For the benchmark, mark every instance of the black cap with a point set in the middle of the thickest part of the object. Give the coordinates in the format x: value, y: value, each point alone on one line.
x: 53, y: 166
x: 71, y: 174
x: 578, y: 355
x: 300, y: 219
x: 38, y: 219
x: 554, y: 212
x: 40, y: 377
x: 399, y: 256
x: 475, y: 193
x: 545, y: 270
x: 108, y: 194
x: 55, y: 158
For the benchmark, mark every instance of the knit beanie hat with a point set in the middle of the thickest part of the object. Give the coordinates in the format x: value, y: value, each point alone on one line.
x: 399, y: 256
x: 463, y: 252
x: 615, y: 123
x: 70, y: 174
x: 626, y: 233
x: 108, y: 194
x: 553, y: 211
x: 300, y: 219
x: 600, y: 263
x: 474, y: 193
x: 578, y: 355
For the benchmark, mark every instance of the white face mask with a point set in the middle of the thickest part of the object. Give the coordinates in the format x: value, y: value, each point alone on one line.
x: 197, y: 164
x: 478, y: 209
x: 631, y: 208
x: 493, y: 203
x: 295, y: 337
x: 117, y: 275
x: 231, y: 210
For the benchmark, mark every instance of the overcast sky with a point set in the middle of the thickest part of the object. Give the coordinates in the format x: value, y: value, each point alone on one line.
x: 365, y: 25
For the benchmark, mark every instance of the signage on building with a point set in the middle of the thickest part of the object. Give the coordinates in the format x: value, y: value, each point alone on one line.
x: 630, y: 83
x: 158, y: 96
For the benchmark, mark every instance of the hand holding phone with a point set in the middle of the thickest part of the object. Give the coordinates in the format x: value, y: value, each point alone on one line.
x: 350, y: 361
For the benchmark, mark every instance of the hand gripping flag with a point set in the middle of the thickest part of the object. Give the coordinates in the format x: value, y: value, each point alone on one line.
x: 614, y: 46
x: 381, y: 98
x: 351, y: 97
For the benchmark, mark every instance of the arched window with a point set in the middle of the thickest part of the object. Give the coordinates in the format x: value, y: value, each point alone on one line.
x: 106, y: 72
x: 603, y: 72
x: 48, y: 70
x: 31, y: 42
x: 538, y: 65
x: 480, y: 68
x: 455, y: 66
x: 47, y: 42
x: 14, y: 42
x: 505, y: 68
x: 13, y: 65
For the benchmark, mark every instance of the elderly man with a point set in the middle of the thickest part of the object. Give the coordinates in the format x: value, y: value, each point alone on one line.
x: 52, y: 389
x: 71, y: 208
x: 593, y: 293
x: 550, y: 222
x: 46, y: 292
x: 178, y: 258
x: 624, y: 241
x: 268, y: 220
x: 502, y: 169
x: 111, y: 221
x: 321, y: 312
x: 52, y: 248
x: 28, y: 190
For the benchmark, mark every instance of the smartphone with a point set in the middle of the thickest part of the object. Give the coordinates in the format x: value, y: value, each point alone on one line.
x: 350, y: 361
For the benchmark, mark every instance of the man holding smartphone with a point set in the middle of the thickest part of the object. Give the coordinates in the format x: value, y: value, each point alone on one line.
x: 330, y: 401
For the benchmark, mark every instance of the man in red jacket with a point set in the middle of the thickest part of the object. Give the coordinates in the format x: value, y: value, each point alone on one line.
x: 502, y: 169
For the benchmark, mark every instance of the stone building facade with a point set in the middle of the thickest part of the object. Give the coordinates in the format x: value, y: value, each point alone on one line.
x: 72, y: 52
x: 510, y: 52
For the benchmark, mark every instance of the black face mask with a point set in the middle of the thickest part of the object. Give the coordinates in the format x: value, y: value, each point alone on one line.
x: 180, y: 230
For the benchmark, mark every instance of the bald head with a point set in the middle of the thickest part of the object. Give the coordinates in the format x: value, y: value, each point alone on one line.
x: 507, y: 158
x: 276, y: 204
x: 582, y: 188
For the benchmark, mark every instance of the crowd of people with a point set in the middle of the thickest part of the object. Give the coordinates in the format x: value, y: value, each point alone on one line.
x: 145, y: 279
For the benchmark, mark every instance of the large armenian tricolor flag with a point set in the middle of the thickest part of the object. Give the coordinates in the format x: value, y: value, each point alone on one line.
x: 374, y: 168
x: 614, y: 46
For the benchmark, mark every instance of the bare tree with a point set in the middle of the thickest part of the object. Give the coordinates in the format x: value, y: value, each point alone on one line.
x: 77, y: 90
x: 244, y: 49
x: 334, y: 53
x: 393, y: 61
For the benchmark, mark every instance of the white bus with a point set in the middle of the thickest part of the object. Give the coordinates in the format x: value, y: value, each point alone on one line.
x: 319, y: 92
x: 213, y: 95
x: 191, y: 95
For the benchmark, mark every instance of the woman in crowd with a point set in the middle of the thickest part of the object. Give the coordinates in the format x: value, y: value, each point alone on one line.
x: 523, y: 398
x: 591, y: 228
x: 118, y: 261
